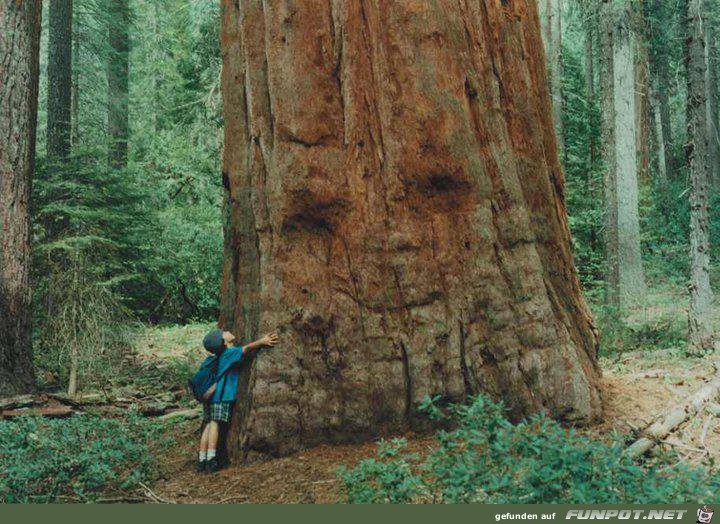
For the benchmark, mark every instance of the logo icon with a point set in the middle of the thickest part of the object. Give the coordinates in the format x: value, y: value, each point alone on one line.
x: 704, y: 515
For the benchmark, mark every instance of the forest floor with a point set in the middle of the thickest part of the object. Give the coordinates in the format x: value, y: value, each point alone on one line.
x: 638, y: 385
x: 637, y: 389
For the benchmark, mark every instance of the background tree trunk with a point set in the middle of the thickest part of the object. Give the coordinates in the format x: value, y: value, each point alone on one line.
x: 59, y: 72
x: 624, y: 278
x: 631, y: 280
x: 662, y: 76
x: 607, y: 131
x: 711, y: 80
x: 19, y: 48
x: 642, y: 94
x: 701, y: 335
x: 75, y: 109
x: 590, y: 15
x: 118, y: 120
x: 553, y: 47
x: 395, y: 209
x: 661, y: 79
x: 662, y: 166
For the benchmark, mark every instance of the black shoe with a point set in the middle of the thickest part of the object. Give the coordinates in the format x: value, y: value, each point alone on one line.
x: 212, y: 465
x: 201, y: 466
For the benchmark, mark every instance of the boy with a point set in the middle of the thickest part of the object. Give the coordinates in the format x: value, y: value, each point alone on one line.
x: 219, y: 399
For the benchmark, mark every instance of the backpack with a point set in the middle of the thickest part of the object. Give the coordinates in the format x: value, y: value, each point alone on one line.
x: 204, y: 378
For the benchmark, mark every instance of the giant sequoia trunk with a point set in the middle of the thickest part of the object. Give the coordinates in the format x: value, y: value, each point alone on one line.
x: 19, y: 46
x: 395, y: 209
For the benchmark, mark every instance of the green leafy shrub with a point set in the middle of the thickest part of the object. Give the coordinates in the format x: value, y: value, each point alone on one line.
x: 387, y: 479
x: 486, y: 458
x: 82, y: 458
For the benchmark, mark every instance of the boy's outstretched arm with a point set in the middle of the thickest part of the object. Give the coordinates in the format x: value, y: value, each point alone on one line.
x: 268, y: 340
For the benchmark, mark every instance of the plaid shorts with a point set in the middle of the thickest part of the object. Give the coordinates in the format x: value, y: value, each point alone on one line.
x: 218, y: 412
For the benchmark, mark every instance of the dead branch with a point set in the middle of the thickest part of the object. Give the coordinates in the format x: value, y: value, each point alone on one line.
x: 19, y: 401
x: 662, y: 428
x: 153, y: 496
x: 47, y: 411
x: 703, y: 433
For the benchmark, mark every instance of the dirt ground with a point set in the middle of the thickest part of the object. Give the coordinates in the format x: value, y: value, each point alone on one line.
x: 637, y: 389
x: 640, y: 388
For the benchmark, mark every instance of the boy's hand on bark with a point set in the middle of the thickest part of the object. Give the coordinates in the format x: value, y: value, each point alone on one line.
x: 269, y: 340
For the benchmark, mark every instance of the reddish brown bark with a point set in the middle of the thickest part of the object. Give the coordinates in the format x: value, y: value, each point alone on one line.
x: 395, y: 208
x: 19, y: 47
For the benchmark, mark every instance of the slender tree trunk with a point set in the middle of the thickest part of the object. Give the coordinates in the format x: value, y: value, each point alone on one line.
x: 117, y: 77
x: 156, y: 72
x: 395, y: 209
x: 665, y: 122
x: 659, y: 71
x: 631, y: 280
x: 19, y: 48
x: 75, y: 322
x: 662, y: 166
x: 553, y: 42
x: 545, y: 10
x: 607, y: 131
x: 591, y: 21
x: 642, y: 95
x: 590, y: 12
x: 711, y: 84
x: 701, y: 334
x: 59, y: 72
x: 75, y: 120
x: 624, y: 279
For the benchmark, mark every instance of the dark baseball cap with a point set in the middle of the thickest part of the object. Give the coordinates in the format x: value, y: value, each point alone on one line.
x: 213, y: 341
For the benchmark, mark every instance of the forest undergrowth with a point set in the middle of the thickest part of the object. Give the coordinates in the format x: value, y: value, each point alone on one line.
x: 645, y: 369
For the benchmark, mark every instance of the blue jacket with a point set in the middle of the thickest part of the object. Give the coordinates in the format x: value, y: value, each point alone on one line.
x: 227, y: 386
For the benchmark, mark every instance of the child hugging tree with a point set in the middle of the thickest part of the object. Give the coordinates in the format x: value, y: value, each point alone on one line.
x: 220, y: 398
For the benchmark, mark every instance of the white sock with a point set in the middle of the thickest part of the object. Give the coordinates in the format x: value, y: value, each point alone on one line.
x: 210, y: 454
x: 203, y: 456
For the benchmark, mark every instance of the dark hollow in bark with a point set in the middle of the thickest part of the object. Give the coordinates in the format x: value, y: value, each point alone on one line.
x: 394, y: 207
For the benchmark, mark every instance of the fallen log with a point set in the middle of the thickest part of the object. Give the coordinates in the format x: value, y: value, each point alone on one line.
x: 662, y: 428
x: 47, y: 411
x: 19, y: 401
x: 156, y: 409
x: 182, y: 414
x: 86, y: 399
x: 59, y: 405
